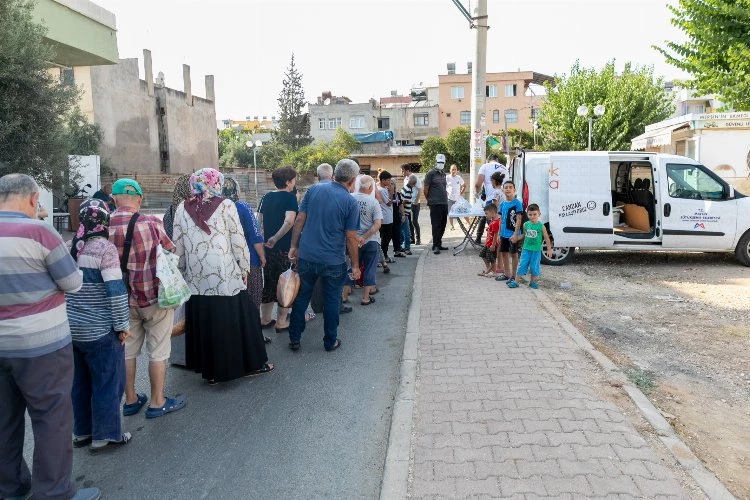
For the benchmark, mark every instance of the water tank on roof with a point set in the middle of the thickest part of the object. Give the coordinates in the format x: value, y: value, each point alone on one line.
x: 418, y: 93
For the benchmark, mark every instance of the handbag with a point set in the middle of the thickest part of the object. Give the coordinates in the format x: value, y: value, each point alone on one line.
x: 173, y: 290
x: 286, y: 290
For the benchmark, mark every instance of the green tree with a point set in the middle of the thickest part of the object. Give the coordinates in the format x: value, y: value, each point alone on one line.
x: 430, y: 147
x: 457, y: 142
x: 84, y: 138
x: 307, y: 158
x: 294, y: 125
x: 33, y: 103
x: 271, y: 155
x: 717, y: 51
x: 633, y: 99
x: 235, y: 150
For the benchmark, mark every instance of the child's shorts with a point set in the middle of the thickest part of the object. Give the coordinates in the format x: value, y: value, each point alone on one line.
x: 529, y: 261
x: 508, y: 246
x: 487, y: 254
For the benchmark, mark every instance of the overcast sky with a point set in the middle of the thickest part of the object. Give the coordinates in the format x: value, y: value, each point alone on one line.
x: 366, y: 48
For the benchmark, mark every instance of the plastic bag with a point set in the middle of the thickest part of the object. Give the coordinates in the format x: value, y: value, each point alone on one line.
x: 178, y: 322
x: 462, y: 206
x: 478, y: 207
x: 286, y: 290
x: 173, y: 290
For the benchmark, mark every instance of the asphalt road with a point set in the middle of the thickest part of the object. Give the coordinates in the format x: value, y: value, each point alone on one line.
x: 315, y: 427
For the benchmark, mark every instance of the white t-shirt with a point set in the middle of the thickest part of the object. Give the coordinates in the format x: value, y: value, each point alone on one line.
x: 417, y: 187
x: 487, y: 170
x: 387, y: 211
x: 453, y: 185
x: 369, y: 212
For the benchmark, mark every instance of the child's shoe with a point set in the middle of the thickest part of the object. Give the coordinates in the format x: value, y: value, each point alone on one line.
x: 512, y: 283
x: 501, y: 277
x: 533, y: 285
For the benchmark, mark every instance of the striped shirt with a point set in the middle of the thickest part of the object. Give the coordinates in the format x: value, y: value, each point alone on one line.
x: 407, y: 194
x: 35, y: 271
x: 101, y: 305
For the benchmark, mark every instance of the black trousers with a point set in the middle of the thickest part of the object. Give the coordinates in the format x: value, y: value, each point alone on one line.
x: 396, y: 230
x: 480, y: 228
x: 438, y: 219
x: 415, y: 225
x: 386, y: 234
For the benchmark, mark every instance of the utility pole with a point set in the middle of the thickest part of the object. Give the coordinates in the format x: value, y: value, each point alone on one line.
x: 478, y: 95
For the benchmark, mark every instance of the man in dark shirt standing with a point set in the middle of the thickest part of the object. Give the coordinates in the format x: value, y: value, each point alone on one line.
x: 436, y: 192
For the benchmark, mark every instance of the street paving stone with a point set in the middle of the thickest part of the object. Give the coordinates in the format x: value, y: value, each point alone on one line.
x: 503, y: 407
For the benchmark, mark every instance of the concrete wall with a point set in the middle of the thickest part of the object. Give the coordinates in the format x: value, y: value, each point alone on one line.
x: 402, y: 121
x: 345, y: 112
x: 193, y: 143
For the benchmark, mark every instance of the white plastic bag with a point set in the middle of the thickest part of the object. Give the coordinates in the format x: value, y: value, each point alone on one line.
x: 462, y: 206
x: 173, y: 290
x: 286, y: 290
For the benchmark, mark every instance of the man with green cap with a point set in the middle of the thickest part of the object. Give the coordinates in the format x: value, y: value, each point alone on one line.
x: 137, y: 237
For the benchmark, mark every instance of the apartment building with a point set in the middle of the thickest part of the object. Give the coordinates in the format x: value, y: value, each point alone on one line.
x: 512, y: 100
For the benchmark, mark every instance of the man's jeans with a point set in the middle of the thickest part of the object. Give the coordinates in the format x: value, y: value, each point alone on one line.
x: 332, y: 278
x: 405, y: 230
x: 98, y: 384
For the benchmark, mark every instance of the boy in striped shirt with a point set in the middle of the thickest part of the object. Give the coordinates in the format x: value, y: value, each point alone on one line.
x: 407, y: 195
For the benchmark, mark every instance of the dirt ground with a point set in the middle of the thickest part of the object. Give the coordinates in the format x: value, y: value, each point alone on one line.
x: 679, y: 324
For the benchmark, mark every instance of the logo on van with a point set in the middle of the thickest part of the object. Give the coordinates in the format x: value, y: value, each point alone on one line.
x: 699, y: 225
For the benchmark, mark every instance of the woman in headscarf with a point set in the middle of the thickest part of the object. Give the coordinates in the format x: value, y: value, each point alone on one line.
x: 98, y: 317
x: 254, y: 238
x: 223, y: 338
x: 181, y: 193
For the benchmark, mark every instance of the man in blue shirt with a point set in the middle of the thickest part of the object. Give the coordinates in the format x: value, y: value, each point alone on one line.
x: 325, y: 228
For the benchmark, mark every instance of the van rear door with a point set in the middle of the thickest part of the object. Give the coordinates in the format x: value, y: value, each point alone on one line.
x: 580, y: 200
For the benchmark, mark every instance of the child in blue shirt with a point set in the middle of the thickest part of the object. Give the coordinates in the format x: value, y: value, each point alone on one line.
x: 511, y: 213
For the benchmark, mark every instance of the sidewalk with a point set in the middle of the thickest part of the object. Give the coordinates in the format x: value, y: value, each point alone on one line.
x: 504, y: 405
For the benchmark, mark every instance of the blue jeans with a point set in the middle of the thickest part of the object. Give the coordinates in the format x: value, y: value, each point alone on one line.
x: 405, y: 232
x: 332, y: 278
x: 529, y: 261
x: 369, y: 256
x: 98, y: 385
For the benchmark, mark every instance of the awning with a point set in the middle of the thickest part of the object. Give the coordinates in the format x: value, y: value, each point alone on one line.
x: 657, y: 137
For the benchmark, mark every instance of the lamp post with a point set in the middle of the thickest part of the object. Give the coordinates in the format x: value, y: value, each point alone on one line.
x: 583, y: 112
x: 255, y: 145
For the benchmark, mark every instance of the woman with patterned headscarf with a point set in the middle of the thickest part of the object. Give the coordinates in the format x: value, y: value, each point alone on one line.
x: 98, y: 317
x: 223, y: 338
x: 181, y: 193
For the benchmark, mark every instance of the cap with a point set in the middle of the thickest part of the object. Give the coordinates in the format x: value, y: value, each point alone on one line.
x: 440, y: 158
x: 126, y: 186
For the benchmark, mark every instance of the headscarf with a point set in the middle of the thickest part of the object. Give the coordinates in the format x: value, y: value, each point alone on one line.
x: 181, y: 190
x: 94, y: 221
x: 230, y: 189
x: 205, y: 186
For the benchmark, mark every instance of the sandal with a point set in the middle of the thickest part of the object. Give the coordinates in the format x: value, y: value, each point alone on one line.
x: 170, y: 405
x: 111, y: 445
x: 269, y: 324
x: 133, y: 408
x: 294, y: 346
x: 81, y: 441
x: 309, y: 316
x: 372, y: 301
x: 336, y: 345
x: 374, y: 291
x: 482, y: 273
x: 266, y: 340
x: 386, y: 270
x: 267, y: 367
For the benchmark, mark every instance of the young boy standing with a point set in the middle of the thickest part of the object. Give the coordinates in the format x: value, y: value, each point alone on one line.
x: 531, y: 255
x: 489, y: 252
x: 511, y: 211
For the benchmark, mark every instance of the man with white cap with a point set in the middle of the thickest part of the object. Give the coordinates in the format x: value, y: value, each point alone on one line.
x: 436, y: 192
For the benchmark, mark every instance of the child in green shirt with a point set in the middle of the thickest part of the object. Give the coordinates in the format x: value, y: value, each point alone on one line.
x: 531, y: 254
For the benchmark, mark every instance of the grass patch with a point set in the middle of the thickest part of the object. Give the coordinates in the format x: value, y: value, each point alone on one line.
x: 642, y: 379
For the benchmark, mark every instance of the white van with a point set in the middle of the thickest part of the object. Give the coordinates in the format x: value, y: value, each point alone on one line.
x: 632, y: 201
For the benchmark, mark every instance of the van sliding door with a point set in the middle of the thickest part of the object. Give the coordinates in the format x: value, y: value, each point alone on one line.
x: 580, y: 200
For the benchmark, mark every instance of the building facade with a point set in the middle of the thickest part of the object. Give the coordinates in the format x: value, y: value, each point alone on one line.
x: 512, y: 100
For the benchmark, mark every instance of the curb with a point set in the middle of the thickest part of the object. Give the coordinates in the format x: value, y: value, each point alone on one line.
x: 705, y: 479
x: 395, y: 483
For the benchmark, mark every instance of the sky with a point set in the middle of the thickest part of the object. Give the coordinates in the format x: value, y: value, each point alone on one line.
x: 366, y: 48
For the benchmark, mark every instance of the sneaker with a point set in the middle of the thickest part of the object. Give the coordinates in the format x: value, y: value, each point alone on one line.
x: 533, y: 285
x: 501, y: 277
x: 512, y: 283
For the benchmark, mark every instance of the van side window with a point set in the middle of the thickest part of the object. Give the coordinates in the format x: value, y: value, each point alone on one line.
x: 693, y: 182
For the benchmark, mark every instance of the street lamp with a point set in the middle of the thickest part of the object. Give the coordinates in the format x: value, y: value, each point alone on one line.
x: 583, y: 112
x: 255, y: 145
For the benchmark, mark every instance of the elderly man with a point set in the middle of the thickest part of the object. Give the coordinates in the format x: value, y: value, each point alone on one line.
x: 324, y: 172
x: 326, y: 227
x: 36, y: 354
x: 136, y: 237
x: 436, y: 192
x: 370, y: 218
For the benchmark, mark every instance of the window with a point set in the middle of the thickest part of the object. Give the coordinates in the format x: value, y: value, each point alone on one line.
x: 697, y: 109
x: 421, y: 119
x: 334, y: 123
x: 693, y: 182
x: 510, y: 90
x: 491, y: 90
x: 534, y: 113
x: 457, y: 92
x: 496, y: 116
x: 322, y: 123
x: 465, y: 118
x: 356, y: 122
x: 511, y: 115
x: 384, y: 123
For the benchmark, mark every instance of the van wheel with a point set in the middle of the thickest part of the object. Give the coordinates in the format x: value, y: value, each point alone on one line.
x: 742, y: 252
x: 560, y: 255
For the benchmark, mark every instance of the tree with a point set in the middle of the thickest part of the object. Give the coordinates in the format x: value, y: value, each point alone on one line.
x: 235, y: 152
x: 717, y: 51
x: 307, y: 158
x: 33, y: 103
x: 84, y: 138
x: 294, y: 125
x: 430, y: 147
x: 457, y: 142
x: 632, y: 100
